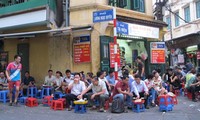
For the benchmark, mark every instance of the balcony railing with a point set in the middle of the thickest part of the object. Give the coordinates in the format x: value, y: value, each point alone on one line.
x: 11, y: 6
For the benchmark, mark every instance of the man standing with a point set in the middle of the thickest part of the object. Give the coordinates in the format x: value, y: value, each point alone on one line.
x: 140, y: 67
x: 76, y: 87
x: 99, y: 92
x: 13, y: 73
x: 139, y: 90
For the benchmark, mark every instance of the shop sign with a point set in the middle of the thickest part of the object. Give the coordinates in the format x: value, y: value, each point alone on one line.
x: 198, y: 55
x: 137, y: 30
x: 103, y: 15
x: 112, y: 55
x: 82, y: 49
x: 157, y: 52
x: 181, y: 59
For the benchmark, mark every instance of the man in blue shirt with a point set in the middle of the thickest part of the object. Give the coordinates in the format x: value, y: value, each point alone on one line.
x: 111, y: 78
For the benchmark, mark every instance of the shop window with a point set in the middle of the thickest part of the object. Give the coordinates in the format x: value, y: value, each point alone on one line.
x: 177, y: 19
x: 198, y: 8
x: 187, y: 14
x: 105, y: 55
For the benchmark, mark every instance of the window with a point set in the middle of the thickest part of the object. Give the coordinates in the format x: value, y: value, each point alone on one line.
x: 138, y: 5
x: 168, y: 21
x: 187, y: 14
x: 176, y: 16
x: 198, y: 8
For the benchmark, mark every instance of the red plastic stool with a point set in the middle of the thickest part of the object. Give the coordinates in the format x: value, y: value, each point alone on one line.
x: 47, y: 100
x: 57, y: 105
x: 106, y: 106
x: 64, y: 101
x: 177, y: 92
x: 189, y: 95
x: 174, y: 100
x: 31, y: 102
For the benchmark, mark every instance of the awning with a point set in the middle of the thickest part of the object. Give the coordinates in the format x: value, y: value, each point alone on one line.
x: 65, y: 31
x: 153, y: 23
x: 184, y: 41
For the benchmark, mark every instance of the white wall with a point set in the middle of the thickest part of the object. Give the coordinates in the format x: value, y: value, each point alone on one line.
x: 184, y: 28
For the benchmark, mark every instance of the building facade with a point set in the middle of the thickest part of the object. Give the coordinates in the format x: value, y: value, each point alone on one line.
x: 60, y: 34
x: 182, y: 37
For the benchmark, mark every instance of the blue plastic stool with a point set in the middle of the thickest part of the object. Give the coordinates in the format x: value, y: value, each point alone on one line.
x: 32, y: 92
x: 3, y: 96
x: 80, y: 108
x: 22, y: 100
x: 58, y: 95
x: 138, y: 107
x: 165, y: 103
x: 46, y: 92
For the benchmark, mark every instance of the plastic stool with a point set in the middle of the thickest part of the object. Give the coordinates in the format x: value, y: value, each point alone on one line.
x: 32, y: 92
x: 80, y: 108
x: 57, y: 105
x: 46, y: 91
x: 106, y: 106
x: 58, y: 95
x: 174, y: 100
x: 3, y: 96
x: 22, y: 100
x: 165, y: 103
x: 189, y: 95
x: 177, y: 92
x: 64, y: 101
x: 31, y: 102
x: 138, y: 106
x: 47, y: 100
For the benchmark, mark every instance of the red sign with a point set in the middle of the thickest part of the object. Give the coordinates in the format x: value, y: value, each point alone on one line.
x: 157, y: 56
x: 112, y: 55
x: 198, y: 55
x: 81, y: 53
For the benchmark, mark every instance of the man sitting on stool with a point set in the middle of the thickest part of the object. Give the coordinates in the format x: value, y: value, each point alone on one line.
x: 122, y: 91
x: 76, y: 87
x: 139, y: 89
x: 99, y: 92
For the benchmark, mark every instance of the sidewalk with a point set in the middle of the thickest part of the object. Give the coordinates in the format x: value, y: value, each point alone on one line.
x: 185, y: 110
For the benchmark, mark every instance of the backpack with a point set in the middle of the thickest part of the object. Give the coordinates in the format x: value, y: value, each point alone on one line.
x: 117, y: 106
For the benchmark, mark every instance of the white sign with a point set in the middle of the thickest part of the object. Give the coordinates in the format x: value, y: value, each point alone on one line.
x: 143, y: 31
x: 180, y: 58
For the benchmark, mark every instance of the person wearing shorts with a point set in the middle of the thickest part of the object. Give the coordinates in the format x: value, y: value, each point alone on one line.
x: 13, y: 73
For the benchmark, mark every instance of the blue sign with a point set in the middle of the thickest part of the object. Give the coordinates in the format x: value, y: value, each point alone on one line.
x: 160, y: 45
x: 122, y: 28
x: 103, y: 15
x: 85, y: 39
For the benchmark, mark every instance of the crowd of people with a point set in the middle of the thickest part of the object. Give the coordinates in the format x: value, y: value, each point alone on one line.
x: 102, y: 86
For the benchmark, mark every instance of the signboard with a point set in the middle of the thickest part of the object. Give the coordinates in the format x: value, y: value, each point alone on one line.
x: 198, y: 55
x: 157, y: 52
x: 103, y: 15
x: 112, y: 55
x: 181, y: 59
x: 82, y: 49
x: 137, y: 30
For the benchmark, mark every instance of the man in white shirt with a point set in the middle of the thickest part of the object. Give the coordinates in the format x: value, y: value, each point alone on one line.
x: 67, y: 80
x: 99, y: 92
x: 49, y: 79
x: 76, y: 87
x: 139, y: 89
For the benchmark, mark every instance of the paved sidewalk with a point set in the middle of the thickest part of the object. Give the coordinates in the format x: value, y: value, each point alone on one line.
x: 185, y: 110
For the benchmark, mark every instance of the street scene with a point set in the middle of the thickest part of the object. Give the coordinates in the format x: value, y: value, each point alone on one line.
x: 100, y: 59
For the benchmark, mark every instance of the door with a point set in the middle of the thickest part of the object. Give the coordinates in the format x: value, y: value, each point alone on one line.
x: 104, y: 52
x: 23, y: 51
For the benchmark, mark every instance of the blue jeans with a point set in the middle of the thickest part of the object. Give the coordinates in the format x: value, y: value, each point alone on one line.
x: 153, y: 92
